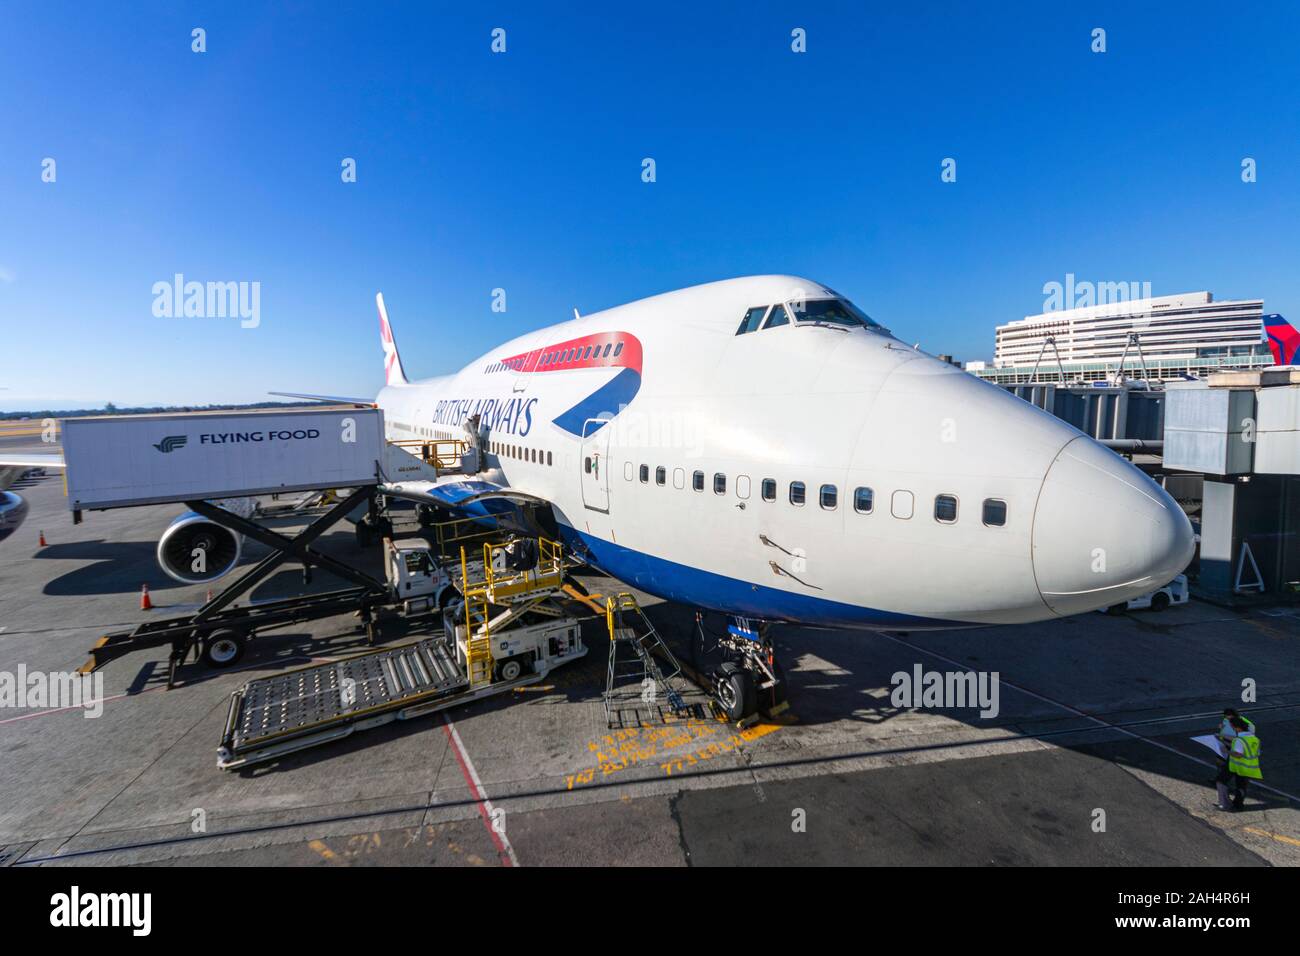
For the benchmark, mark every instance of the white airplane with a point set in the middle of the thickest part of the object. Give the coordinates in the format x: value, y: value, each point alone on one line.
x: 761, y: 448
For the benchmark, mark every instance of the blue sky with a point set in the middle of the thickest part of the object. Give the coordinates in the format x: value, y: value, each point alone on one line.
x: 522, y: 171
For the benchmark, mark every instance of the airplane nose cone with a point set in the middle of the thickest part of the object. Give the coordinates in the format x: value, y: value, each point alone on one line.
x: 1104, y: 532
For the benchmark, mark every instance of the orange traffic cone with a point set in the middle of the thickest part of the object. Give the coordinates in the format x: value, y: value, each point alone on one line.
x: 42, y: 538
x: 145, y: 603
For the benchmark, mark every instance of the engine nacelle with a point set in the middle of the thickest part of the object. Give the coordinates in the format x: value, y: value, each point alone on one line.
x: 194, y: 550
x: 13, y: 509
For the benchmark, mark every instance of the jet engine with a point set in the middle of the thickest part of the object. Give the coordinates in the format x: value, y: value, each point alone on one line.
x: 13, y: 509
x: 195, y: 550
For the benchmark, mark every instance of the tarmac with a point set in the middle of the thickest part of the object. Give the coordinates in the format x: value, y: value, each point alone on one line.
x: 1088, y: 761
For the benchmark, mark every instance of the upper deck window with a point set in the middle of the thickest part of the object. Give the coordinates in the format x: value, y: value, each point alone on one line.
x: 839, y: 312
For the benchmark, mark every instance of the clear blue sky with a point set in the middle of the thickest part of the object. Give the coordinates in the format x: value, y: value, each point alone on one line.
x: 522, y: 171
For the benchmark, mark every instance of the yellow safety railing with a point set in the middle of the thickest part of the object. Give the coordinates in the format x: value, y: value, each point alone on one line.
x: 623, y: 601
x: 442, y: 453
x: 478, y: 643
x: 459, y: 532
x: 499, y: 586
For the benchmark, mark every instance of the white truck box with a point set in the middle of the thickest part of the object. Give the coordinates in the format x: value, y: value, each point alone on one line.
x: 118, y: 461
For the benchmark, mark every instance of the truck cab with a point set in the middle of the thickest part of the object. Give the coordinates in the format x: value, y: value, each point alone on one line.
x: 415, y: 576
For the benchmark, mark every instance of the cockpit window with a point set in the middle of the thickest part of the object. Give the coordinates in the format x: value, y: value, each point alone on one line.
x: 752, y: 320
x: 778, y: 317
x: 833, y: 312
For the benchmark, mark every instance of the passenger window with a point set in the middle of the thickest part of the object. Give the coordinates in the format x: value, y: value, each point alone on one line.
x: 945, y: 509
x: 995, y: 512
x: 797, y: 494
x: 645, y: 473
x: 697, y: 481
x: 719, y: 483
x: 549, y: 462
x: 742, y: 486
x: 679, y: 478
x: 661, y: 475
x: 627, y: 470
x: 769, y: 489
x: 863, y: 499
x: 752, y: 320
x: 901, y: 504
x: 778, y: 317
x: 830, y: 497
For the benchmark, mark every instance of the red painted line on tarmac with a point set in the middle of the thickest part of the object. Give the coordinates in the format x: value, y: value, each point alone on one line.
x: 505, y: 852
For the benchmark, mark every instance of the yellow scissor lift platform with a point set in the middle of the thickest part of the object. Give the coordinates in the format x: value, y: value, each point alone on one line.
x: 511, y: 581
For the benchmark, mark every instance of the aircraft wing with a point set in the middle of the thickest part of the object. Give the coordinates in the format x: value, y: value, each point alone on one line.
x: 325, y: 398
x: 13, y: 466
x: 21, y: 460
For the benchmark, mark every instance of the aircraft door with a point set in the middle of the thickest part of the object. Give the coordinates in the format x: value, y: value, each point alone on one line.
x: 593, y: 460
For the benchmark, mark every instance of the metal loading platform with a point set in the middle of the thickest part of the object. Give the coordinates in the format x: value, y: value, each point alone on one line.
x: 277, y: 715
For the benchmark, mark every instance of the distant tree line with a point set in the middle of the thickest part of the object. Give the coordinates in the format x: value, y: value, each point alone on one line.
x: 111, y: 409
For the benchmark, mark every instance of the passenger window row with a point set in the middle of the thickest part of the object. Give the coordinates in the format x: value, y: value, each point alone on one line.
x: 901, y: 503
x: 557, y: 356
x: 521, y: 453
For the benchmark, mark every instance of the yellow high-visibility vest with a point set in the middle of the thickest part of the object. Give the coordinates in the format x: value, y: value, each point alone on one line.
x: 1246, y: 764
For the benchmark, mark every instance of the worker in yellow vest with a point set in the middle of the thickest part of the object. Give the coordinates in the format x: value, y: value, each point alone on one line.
x: 1242, y: 765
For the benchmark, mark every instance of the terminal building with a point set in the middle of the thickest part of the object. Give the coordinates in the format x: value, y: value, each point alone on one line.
x: 1205, y: 397
x: 1162, y: 338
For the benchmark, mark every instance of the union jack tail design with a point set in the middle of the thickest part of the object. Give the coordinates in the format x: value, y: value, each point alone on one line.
x: 393, y: 371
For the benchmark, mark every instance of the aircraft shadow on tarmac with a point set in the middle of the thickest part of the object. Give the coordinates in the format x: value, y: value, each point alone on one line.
x: 856, y: 666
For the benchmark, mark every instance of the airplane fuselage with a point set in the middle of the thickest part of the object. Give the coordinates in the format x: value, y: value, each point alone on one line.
x: 804, y: 471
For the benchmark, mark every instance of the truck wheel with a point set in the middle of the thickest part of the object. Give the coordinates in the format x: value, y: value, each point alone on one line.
x: 512, y: 668
x: 1115, y: 610
x: 224, y: 648
x: 1159, y: 601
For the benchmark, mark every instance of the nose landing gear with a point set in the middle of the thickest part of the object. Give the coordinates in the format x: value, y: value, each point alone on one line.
x: 749, y: 680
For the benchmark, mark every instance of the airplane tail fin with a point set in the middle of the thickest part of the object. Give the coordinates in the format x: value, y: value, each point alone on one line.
x: 392, y: 361
x: 1283, y: 340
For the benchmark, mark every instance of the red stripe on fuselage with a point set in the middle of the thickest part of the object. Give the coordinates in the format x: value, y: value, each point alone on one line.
x: 587, y: 351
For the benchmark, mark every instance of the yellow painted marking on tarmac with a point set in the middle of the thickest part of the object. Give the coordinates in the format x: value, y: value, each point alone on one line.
x: 590, y: 601
x: 320, y: 847
x: 674, y: 745
x: 1273, y: 836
